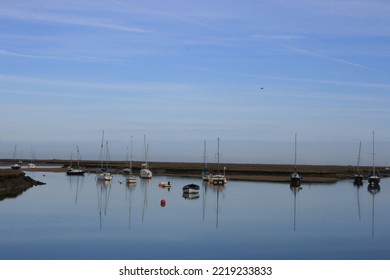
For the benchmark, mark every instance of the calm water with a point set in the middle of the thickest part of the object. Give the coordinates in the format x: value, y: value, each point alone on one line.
x: 77, y: 218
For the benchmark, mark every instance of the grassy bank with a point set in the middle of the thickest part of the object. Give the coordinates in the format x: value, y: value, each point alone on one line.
x: 235, y: 171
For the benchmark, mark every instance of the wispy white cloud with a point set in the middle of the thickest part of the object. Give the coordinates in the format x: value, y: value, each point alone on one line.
x: 136, y: 86
x: 63, y: 18
x: 331, y: 58
x: 283, y: 37
x: 348, y: 8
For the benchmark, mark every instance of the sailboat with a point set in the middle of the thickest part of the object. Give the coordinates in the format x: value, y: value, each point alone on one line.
x: 18, y: 164
x: 218, y: 179
x: 374, y: 178
x: 31, y: 164
x: 295, y: 178
x: 130, y: 178
x: 78, y: 170
x: 205, y: 171
x: 145, y: 173
x: 358, y: 180
x: 103, y: 174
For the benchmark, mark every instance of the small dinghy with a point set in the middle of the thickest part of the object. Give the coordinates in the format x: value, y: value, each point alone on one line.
x: 191, y: 188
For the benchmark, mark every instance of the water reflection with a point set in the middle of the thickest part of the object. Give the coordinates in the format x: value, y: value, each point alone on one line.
x: 191, y: 196
x: 374, y: 189
x: 243, y: 220
x: 295, y: 189
x: 103, y: 196
x: 130, y: 188
x: 218, y: 189
x: 358, y: 186
x: 76, y: 184
x: 145, y: 183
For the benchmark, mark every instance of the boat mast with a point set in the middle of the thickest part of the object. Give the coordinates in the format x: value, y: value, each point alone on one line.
x: 101, y: 152
x: 78, y: 157
x: 218, y: 156
x: 131, y: 155
x: 358, y: 163
x: 108, y: 159
x: 204, y: 155
x: 373, y: 153
x: 14, y: 155
x: 295, y: 160
x: 146, y: 152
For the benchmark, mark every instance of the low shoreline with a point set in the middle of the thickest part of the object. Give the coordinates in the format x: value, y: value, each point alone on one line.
x: 234, y: 171
x: 15, y: 182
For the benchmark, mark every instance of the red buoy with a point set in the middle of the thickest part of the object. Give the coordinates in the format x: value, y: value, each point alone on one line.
x: 162, y: 202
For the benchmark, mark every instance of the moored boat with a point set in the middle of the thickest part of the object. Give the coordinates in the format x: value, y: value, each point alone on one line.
x: 145, y: 172
x: 191, y: 188
x: 358, y: 177
x: 218, y: 179
x: 16, y: 166
x: 165, y: 184
x: 373, y: 178
x: 295, y: 177
x: 130, y: 178
x: 103, y: 174
x: 76, y: 171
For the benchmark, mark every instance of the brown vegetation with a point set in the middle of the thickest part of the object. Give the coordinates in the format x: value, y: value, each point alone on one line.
x: 234, y: 171
x: 14, y: 183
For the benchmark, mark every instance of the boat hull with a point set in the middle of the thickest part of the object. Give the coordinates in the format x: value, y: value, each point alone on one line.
x: 146, y: 174
x: 75, y: 172
x: 218, y: 180
x: 16, y: 166
x: 105, y: 176
x: 191, y: 189
x: 131, y: 180
x: 295, y: 180
x: 374, y: 180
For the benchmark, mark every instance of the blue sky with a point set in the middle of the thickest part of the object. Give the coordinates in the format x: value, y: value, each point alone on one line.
x: 252, y: 73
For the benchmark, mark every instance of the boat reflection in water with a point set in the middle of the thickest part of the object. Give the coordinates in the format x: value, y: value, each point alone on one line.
x: 373, y: 189
x: 243, y: 220
x: 103, y: 195
x: 218, y: 189
x: 130, y: 187
x: 145, y: 187
x: 358, y: 185
x: 295, y: 189
x: 79, y: 182
x: 191, y: 195
x: 191, y: 191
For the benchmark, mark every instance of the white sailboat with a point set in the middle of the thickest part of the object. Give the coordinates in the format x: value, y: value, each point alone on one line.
x: 31, y: 164
x: 77, y: 170
x: 104, y: 174
x: 130, y: 178
x: 145, y: 173
x: 374, y: 178
x: 218, y: 179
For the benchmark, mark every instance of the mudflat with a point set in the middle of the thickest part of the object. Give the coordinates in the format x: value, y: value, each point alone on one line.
x: 234, y: 171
